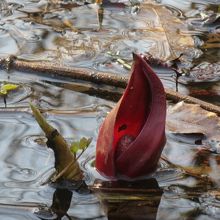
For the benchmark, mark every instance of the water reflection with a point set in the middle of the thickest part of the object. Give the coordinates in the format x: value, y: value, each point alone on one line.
x: 129, y: 200
x: 78, y: 34
x: 81, y: 34
x: 61, y: 202
x: 26, y: 163
x: 185, y: 180
x: 25, y: 166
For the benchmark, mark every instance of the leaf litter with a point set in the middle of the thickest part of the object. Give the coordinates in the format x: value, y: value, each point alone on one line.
x: 198, y: 158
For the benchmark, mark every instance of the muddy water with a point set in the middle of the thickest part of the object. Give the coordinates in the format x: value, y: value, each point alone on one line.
x: 78, y: 34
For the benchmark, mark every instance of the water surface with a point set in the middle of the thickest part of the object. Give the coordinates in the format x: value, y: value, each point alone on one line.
x: 76, y: 34
x: 85, y: 34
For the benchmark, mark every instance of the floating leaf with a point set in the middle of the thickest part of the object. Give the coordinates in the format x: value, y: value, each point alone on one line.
x: 5, y: 88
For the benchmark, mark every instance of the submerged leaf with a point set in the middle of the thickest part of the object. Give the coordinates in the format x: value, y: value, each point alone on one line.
x: 192, y: 119
x: 204, y: 72
x: 174, y: 44
x: 197, y: 159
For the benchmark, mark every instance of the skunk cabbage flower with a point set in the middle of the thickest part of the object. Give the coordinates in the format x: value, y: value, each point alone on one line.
x: 132, y: 136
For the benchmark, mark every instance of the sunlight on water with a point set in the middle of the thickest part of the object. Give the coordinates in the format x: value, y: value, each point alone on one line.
x: 81, y: 35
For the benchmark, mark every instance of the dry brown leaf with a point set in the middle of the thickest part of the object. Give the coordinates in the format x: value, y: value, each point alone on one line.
x: 200, y: 160
x: 190, y: 119
x: 169, y: 32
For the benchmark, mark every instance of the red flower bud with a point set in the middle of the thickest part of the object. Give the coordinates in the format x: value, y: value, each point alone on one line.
x: 132, y: 136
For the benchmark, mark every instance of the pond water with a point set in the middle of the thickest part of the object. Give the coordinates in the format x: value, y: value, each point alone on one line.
x: 84, y: 34
x: 79, y: 34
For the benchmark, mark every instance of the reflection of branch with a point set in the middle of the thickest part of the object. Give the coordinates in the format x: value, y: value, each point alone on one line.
x: 96, y: 77
x: 138, y: 199
x: 100, y: 15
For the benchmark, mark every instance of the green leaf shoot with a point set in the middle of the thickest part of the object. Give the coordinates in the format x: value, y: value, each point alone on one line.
x: 82, y: 144
x: 66, y: 163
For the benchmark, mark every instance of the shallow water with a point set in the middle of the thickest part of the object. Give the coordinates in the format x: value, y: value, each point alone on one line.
x: 185, y: 190
x: 70, y: 33
x: 87, y: 35
x: 26, y: 163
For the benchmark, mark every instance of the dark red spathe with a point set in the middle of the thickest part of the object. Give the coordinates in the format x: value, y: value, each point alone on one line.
x: 132, y: 136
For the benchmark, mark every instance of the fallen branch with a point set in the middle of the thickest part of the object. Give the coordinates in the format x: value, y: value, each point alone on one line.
x: 95, y: 77
x: 74, y: 73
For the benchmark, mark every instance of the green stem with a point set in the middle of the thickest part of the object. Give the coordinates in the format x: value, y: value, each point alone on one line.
x: 65, y: 161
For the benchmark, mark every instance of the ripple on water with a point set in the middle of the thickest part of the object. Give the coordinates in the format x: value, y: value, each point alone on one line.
x: 26, y: 163
x: 72, y: 34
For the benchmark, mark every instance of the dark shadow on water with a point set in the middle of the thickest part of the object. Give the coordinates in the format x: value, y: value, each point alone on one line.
x: 62, y: 200
x: 61, y: 203
x: 60, y: 206
x: 138, y: 200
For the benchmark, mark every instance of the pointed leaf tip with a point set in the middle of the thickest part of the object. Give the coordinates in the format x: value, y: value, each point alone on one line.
x: 45, y: 126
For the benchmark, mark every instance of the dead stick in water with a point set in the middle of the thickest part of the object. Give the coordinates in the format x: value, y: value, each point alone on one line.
x: 177, y: 97
x: 96, y: 77
x: 74, y: 73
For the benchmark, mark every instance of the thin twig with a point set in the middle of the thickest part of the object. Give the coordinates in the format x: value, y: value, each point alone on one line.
x: 98, y: 78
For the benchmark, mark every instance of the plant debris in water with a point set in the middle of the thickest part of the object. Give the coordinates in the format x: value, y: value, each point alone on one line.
x: 6, y: 88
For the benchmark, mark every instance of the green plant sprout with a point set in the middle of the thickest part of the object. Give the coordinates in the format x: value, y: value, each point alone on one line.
x: 82, y: 144
x: 66, y: 161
